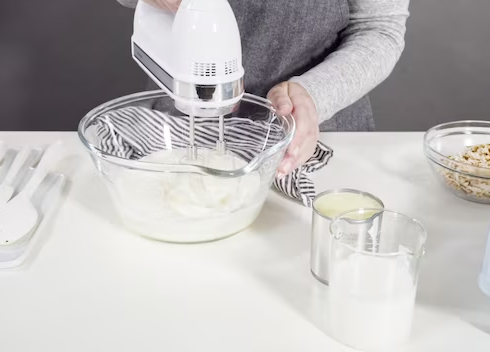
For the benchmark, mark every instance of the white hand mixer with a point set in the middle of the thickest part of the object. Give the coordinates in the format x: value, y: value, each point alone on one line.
x: 195, y: 56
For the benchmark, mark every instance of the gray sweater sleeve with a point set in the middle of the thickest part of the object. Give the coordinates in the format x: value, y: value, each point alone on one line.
x: 370, y: 47
x: 128, y: 3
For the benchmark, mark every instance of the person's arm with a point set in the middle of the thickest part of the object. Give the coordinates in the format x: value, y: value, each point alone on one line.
x: 370, y: 47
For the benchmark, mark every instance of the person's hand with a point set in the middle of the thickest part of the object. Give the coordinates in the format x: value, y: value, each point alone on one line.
x: 169, y: 5
x: 291, y: 98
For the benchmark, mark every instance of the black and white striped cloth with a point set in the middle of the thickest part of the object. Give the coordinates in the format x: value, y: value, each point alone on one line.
x: 134, y: 132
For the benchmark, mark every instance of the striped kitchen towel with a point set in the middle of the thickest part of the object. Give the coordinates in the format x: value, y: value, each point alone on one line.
x: 134, y: 132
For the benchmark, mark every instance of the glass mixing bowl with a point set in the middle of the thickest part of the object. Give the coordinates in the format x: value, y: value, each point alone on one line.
x: 445, y: 146
x: 139, y: 144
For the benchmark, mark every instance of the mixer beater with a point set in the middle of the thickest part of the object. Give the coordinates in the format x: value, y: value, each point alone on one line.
x: 220, y: 143
x: 195, y: 55
x: 192, y: 148
x: 192, y: 154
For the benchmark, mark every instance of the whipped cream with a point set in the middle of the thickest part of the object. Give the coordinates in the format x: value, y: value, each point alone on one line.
x: 186, y: 207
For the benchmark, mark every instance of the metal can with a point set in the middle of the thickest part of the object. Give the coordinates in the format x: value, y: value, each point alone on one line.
x: 321, y: 238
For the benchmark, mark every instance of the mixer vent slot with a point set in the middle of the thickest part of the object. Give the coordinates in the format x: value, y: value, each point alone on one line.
x: 204, y: 69
x: 231, y: 67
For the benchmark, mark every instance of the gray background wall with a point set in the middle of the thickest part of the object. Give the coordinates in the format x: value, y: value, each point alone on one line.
x: 444, y: 73
x: 60, y: 58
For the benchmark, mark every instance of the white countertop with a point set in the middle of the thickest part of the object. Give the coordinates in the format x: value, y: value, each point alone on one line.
x: 93, y: 286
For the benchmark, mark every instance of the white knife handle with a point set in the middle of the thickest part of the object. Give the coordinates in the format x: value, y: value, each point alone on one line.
x: 19, y: 161
x: 50, y: 157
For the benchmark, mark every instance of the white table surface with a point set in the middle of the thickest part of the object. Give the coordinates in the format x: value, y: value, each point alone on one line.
x: 93, y: 286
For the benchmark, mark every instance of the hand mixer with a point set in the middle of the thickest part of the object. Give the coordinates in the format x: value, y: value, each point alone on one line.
x: 195, y: 55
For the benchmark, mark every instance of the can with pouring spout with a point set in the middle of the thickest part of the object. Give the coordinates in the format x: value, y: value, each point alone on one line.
x: 326, y: 206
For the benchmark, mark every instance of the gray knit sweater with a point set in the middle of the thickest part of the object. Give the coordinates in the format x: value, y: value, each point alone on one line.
x: 361, y: 54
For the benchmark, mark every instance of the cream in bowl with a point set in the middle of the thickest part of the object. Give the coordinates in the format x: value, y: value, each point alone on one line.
x: 165, y: 190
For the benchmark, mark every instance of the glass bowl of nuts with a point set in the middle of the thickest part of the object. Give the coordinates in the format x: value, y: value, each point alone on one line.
x: 459, y: 155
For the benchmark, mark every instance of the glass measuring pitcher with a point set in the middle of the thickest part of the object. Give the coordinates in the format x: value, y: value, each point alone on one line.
x: 374, y: 265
